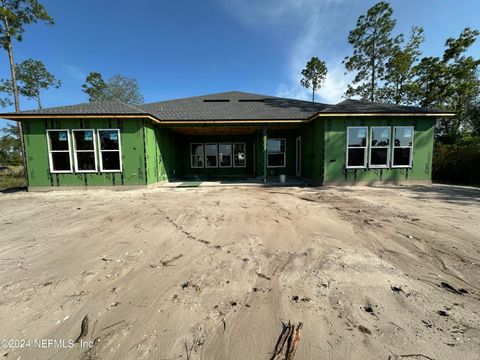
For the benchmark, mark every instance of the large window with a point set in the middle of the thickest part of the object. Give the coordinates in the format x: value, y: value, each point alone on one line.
x: 239, y: 155
x: 59, y: 151
x: 196, y: 152
x: 276, y: 153
x: 84, y: 148
x: 211, y: 156
x: 356, y: 147
x: 225, y: 154
x: 379, y: 146
x: 109, y: 144
x: 402, y: 146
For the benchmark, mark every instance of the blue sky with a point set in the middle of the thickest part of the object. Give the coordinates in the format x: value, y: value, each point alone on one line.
x: 188, y: 47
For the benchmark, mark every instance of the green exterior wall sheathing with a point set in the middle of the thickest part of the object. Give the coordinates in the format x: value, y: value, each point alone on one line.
x: 36, y: 151
x: 312, y: 137
x: 335, y: 151
x: 153, y: 153
x: 163, y: 156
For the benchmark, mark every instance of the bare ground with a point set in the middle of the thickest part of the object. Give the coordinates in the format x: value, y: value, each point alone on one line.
x: 211, y: 273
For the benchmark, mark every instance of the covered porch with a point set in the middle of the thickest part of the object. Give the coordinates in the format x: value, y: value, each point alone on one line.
x: 214, y: 154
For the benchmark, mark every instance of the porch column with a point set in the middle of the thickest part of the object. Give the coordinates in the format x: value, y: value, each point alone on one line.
x: 264, y: 140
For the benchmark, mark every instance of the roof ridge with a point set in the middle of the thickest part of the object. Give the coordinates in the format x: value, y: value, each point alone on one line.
x: 267, y: 97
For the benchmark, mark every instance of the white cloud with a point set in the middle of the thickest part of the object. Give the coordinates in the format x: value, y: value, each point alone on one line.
x: 335, y: 84
x: 314, y: 25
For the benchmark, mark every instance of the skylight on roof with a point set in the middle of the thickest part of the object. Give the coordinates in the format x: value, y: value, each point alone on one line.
x: 216, y: 100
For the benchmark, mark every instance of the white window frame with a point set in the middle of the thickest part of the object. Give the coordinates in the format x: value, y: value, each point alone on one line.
x: 388, y: 147
x: 365, y: 153
x: 50, y: 151
x: 402, y: 147
x: 100, y: 151
x: 233, y: 154
x: 284, y: 154
x: 203, y: 156
x: 75, y: 151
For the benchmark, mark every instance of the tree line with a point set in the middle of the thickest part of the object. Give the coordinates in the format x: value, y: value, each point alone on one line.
x: 390, y: 68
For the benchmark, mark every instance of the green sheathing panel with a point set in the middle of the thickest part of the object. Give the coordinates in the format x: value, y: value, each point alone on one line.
x: 132, y: 146
x: 312, y: 137
x: 151, y: 154
x: 188, y: 171
x: 289, y: 135
x: 163, y: 154
x: 335, y: 150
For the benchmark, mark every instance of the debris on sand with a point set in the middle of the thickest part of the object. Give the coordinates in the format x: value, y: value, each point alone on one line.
x: 396, y: 288
x: 427, y: 323
x: 399, y: 289
x: 450, y: 288
x: 296, y: 298
x: 364, y: 330
x: 417, y: 356
x: 190, y: 284
x: 443, y: 313
x: 83, y: 329
x: 369, y: 310
x: 287, y: 342
x: 163, y: 263
x: 263, y: 276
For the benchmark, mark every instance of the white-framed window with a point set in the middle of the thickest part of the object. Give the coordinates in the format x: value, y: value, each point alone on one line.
x: 58, y: 143
x: 211, y: 155
x: 276, y: 153
x: 379, y: 146
x: 84, y: 147
x: 110, y: 154
x: 402, y: 146
x: 196, y: 155
x: 239, y: 154
x: 356, y: 147
x: 225, y: 155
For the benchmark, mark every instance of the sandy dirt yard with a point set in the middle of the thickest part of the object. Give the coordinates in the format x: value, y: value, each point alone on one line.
x: 212, y: 273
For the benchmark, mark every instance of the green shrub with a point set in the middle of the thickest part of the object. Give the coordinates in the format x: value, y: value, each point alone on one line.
x: 458, y: 162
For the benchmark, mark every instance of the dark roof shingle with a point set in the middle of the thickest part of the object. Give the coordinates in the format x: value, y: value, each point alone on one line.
x: 366, y: 107
x: 233, y: 105
x: 96, y: 108
x: 240, y: 106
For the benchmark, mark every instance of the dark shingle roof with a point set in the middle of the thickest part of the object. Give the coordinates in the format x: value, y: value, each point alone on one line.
x: 231, y: 105
x: 96, y: 108
x: 366, y: 107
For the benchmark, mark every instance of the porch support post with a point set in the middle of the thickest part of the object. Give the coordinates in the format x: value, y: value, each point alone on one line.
x: 265, y: 134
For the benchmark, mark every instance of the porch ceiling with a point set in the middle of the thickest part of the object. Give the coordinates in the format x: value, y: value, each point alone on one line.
x: 223, y: 130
